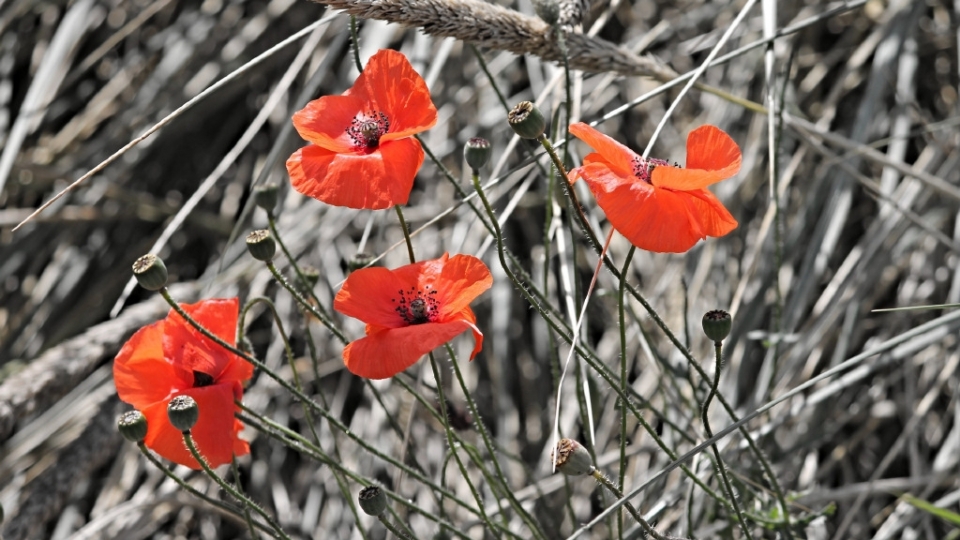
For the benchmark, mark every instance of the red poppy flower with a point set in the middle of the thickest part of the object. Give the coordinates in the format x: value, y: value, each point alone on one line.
x: 363, y: 154
x: 410, y: 311
x: 655, y: 205
x: 170, y: 358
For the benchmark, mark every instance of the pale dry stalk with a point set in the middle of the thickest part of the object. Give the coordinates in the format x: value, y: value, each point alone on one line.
x: 499, y: 28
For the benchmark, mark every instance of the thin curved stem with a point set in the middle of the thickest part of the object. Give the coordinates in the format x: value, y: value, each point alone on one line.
x: 721, y: 468
x: 234, y: 492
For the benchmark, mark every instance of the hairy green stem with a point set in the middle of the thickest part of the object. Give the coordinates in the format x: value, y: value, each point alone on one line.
x: 721, y: 468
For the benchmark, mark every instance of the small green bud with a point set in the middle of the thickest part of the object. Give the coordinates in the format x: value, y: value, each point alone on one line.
x: 717, y: 324
x: 133, y: 426
x: 373, y: 501
x: 548, y: 10
x: 572, y: 458
x: 477, y: 152
x: 150, y: 272
x: 183, y: 412
x: 261, y: 245
x: 527, y: 120
x: 266, y: 196
x: 311, y: 274
x: 358, y: 261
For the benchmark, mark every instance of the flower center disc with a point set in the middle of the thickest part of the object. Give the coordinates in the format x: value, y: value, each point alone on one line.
x: 366, y: 130
x: 415, y: 307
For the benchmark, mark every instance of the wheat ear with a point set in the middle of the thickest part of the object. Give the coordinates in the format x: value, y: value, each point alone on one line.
x: 503, y: 29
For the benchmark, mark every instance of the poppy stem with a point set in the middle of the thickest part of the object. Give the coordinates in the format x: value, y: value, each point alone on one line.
x: 226, y: 507
x: 406, y: 233
x: 246, y: 511
x: 488, y: 442
x: 236, y: 494
x: 607, y: 483
x: 304, y: 303
x: 302, y: 279
x: 721, y: 468
x: 445, y: 419
x: 355, y: 43
x: 393, y: 528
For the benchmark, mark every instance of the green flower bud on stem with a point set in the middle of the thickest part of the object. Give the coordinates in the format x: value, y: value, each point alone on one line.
x: 477, y: 152
x: 373, y: 501
x: 133, y: 426
x: 717, y: 324
x: 183, y: 412
x: 527, y: 120
x: 261, y: 245
x: 572, y: 458
x: 150, y: 272
x: 266, y: 196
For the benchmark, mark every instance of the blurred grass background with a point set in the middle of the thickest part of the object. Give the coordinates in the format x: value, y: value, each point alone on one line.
x: 866, y: 168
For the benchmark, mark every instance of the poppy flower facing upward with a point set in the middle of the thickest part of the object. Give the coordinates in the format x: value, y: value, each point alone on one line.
x: 171, y: 358
x: 657, y: 206
x: 362, y: 152
x: 410, y: 311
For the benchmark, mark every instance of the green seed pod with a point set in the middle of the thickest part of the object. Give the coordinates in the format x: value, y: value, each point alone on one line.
x: 183, y: 412
x: 373, y: 501
x: 477, y: 152
x: 548, y: 10
x: 266, y: 196
x: 527, y: 120
x: 572, y: 458
x: 133, y: 426
x: 150, y: 272
x: 358, y: 261
x: 717, y: 324
x: 261, y: 245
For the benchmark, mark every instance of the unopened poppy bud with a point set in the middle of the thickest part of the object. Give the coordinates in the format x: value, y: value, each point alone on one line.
x: 373, y: 501
x: 527, y: 120
x: 133, y: 426
x: 716, y: 325
x: 572, y: 458
x: 548, y: 10
x: 358, y: 261
x: 477, y: 152
x: 261, y: 245
x: 183, y: 412
x: 150, y: 272
x: 266, y: 195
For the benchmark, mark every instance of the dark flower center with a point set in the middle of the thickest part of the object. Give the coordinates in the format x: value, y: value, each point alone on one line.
x: 416, y: 306
x: 643, y: 168
x: 201, y: 379
x: 366, y: 130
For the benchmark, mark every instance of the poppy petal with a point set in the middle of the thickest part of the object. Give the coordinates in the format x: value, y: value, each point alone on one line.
x: 650, y: 218
x: 462, y: 279
x: 364, y: 296
x: 140, y: 372
x: 617, y: 156
x: 390, y: 85
x: 362, y: 181
x: 714, y: 219
x: 324, y: 121
x: 188, y: 349
x: 215, y: 433
x: 711, y: 156
x: 387, y: 352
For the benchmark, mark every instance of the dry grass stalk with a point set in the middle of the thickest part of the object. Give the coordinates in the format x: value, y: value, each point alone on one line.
x: 495, y: 27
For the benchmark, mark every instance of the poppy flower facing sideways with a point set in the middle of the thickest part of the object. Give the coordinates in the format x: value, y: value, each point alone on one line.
x: 410, y: 311
x: 657, y: 206
x: 362, y: 152
x: 171, y: 358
